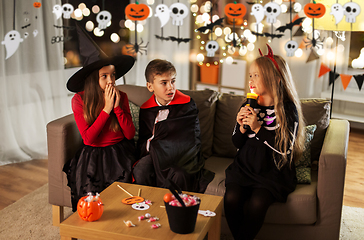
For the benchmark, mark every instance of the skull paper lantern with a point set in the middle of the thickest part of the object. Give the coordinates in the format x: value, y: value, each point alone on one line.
x: 272, y: 11
x: 67, y: 10
x: 103, y: 18
x: 179, y: 11
x: 291, y: 48
x: 211, y: 48
x: 351, y: 11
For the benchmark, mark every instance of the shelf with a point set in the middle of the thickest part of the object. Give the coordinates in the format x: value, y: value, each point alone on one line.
x: 345, y: 96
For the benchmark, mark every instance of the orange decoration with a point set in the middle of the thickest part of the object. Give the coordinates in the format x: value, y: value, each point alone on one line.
x: 137, y: 12
x: 37, y: 4
x: 128, y: 49
x: 168, y: 197
x: 324, y: 69
x: 314, y: 10
x: 345, y: 80
x: 132, y: 200
x: 90, y: 211
x: 235, y: 10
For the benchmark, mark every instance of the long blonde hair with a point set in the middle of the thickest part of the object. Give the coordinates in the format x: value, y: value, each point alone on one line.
x: 94, y: 102
x: 280, y: 85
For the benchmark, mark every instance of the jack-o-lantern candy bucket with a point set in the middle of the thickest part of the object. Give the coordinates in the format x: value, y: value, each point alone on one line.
x: 90, y: 208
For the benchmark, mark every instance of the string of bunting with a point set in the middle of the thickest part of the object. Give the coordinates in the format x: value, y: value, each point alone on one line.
x: 345, y: 79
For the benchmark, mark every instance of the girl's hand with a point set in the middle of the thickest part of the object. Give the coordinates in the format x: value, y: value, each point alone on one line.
x: 109, y: 95
x: 252, y: 120
x: 117, y: 97
x: 240, y: 116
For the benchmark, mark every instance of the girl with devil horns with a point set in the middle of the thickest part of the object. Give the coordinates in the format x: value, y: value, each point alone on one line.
x: 263, y: 171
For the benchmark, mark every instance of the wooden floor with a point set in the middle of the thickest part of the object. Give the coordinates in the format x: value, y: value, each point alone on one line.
x: 17, y: 180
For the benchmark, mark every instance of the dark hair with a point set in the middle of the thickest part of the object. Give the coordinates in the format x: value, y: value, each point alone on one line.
x: 158, y: 67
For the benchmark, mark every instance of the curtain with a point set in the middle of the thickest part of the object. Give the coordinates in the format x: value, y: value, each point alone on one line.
x: 32, y: 79
x: 178, y: 54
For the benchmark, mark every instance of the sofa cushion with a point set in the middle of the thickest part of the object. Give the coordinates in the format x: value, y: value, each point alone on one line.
x: 303, y: 164
x: 206, y: 104
x: 226, y: 110
x: 316, y: 111
x: 300, y: 208
x: 136, y: 94
x: 134, y: 111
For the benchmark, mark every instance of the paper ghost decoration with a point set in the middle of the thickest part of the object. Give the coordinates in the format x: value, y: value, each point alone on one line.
x: 67, y: 10
x: 179, y: 11
x: 272, y: 11
x: 103, y: 18
x: 351, y: 11
x: 258, y: 12
x: 162, y: 12
x: 11, y: 41
x: 35, y: 32
x: 337, y: 11
x: 57, y: 10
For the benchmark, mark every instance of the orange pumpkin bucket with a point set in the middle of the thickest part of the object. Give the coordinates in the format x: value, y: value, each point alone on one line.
x: 209, y: 73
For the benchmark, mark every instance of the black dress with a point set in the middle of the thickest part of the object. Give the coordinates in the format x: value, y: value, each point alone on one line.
x: 254, y: 165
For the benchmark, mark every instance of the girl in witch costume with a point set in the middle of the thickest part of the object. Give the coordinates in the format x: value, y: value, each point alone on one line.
x: 169, y: 134
x: 103, y: 119
x: 263, y: 171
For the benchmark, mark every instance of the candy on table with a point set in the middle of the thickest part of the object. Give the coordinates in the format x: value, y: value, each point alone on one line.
x: 145, y: 216
x: 153, y: 219
x: 129, y: 223
x: 148, y: 202
x: 154, y: 226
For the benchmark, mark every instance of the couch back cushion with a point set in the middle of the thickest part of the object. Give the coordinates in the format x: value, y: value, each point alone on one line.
x: 205, y: 101
x: 316, y: 111
x: 225, y: 120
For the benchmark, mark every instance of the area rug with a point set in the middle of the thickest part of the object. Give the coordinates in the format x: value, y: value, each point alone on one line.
x: 31, y: 218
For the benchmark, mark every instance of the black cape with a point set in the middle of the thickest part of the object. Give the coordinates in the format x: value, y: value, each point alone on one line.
x: 176, y: 141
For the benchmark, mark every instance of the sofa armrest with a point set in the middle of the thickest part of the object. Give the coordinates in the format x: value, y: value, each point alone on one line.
x: 63, y: 139
x: 331, y: 173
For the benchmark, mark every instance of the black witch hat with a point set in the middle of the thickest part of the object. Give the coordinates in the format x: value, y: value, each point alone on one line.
x: 94, y: 59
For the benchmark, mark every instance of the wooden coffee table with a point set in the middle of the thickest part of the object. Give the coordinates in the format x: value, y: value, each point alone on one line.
x: 111, y: 224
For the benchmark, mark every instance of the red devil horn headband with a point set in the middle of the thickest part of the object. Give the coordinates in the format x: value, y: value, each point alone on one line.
x: 270, y: 56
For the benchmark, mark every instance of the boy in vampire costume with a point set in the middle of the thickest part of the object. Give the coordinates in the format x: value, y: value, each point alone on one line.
x: 169, y: 134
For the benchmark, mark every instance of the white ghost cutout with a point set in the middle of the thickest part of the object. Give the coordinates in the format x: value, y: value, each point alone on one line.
x: 291, y: 47
x: 211, y: 48
x: 258, y: 12
x: 140, y: 206
x: 57, y: 10
x: 338, y: 11
x: 272, y: 11
x: 26, y: 34
x: 11, y: 41
x: 178, y: 11
x: 35, y: 32
x: 351, y: 11
x: 103, y: 18
x: 162, y: 12
x: 67, y: 10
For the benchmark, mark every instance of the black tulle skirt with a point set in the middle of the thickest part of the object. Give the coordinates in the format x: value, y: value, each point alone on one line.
x: 94, y: 168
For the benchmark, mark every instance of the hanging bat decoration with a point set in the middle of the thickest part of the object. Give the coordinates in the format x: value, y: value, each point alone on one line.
x: 290, y: 25
x: 179, y: 40
x: 162, y: 38
x: 211, y: 26
x: 267, y: 34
